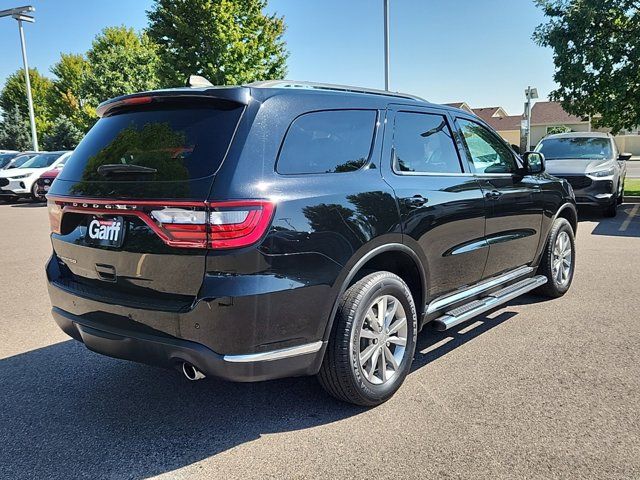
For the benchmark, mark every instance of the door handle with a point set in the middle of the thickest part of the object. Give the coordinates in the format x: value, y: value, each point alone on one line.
x: 493, y: 194
x: 416, y: 201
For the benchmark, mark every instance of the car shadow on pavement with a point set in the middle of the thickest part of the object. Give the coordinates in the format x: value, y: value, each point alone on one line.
x: 433, y: 345
x: 67, y: 412
x: 625, y: 224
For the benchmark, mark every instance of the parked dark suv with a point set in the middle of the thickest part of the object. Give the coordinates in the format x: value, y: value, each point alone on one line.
x: 281, y: 229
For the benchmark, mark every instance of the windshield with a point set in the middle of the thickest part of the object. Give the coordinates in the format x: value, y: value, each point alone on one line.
x: 588, y: 148
x: 21, y: 160
x: 42, y: 161
x: 5, y: 158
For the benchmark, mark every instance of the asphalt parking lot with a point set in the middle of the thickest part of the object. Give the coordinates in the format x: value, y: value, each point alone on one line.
x: 537, y: 389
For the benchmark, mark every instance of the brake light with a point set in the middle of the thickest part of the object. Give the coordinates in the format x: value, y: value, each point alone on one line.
x: 105, y: 107
x: 219, y: 225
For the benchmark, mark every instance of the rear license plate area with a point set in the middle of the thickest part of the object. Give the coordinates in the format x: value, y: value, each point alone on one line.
x: 105, y: 231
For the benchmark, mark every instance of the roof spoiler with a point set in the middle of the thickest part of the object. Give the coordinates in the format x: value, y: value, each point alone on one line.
x: 239, y: 95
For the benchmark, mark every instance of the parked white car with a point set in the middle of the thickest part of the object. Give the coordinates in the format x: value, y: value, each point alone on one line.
x: 21, y: 182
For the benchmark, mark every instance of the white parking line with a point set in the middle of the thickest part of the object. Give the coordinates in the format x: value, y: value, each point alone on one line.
x: 631, y: 215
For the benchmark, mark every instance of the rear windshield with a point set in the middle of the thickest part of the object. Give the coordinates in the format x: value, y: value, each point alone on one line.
x: 41, y: 161
x: 575, y: 148
x: 179, y: 142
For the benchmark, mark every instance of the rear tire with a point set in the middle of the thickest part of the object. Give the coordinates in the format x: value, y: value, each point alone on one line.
x: 366, y: 361
x: 558, y: 260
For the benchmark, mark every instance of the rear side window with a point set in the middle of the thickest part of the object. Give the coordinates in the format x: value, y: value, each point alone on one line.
x: 423, y: 143
x: 180, y: 141
x: 327, y: 142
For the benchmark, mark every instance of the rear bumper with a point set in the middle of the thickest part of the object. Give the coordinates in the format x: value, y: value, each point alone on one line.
x: 232, y: 341
x: 171, y: 352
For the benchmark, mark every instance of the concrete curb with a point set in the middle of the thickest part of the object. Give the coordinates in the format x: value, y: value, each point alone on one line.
x: 630, y: 199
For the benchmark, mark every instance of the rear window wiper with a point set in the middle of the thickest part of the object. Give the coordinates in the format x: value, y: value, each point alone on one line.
x: 118, y: 168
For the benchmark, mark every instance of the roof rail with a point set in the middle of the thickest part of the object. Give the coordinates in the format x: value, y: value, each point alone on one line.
x: 330, y: 87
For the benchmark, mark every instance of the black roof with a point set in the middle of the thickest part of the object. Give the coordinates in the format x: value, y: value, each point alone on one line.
x: 265, y: 89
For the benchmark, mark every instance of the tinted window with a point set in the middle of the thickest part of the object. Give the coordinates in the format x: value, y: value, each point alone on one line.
x: 41, y: 161
x: 5, y: 158
x: 327, y: 142
x: 423, y: 143
x: 180, y: 142
x: 488, y: 153
x: 21, y: 160
x: 576, y: 147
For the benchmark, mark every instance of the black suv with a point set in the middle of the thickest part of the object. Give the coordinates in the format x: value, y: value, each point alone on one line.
x: 281, y: 229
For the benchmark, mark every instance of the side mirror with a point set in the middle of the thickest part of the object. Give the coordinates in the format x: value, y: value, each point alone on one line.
x: 625, y: 156
x: 533, y: 162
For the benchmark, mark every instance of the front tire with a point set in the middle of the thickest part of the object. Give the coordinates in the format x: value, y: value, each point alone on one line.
x: 372, y: 341
x: 620, y: 198
x: 558, y: 260
x: 611, y: 210
x: 34, y: 193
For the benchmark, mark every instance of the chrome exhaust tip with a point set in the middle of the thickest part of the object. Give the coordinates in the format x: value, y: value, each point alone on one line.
x: 191, y: 372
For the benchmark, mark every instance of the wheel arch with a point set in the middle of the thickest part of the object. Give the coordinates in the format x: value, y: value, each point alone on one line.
x: 569, y: 212
x: 394, y: 257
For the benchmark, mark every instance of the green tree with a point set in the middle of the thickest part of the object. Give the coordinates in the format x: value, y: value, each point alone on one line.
x: 226, y: 41
x: 596, y: 51
x: 120, y: 62
x: 63, y: 135
x: 67, y: 96
x: 14, y: 131
x: 14, y: 95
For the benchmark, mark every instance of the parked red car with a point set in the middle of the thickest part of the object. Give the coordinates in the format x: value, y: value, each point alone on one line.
x: 45, y: 181
x: 47, y: 178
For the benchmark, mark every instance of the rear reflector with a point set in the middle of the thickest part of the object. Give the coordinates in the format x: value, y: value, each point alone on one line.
x: 219, y: 225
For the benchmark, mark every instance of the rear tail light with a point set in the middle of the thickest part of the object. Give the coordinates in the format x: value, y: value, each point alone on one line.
x: 238, y: 224
x: 55, y: 215
x: 218, y: 225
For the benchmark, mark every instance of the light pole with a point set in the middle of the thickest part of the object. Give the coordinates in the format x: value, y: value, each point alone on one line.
x: 386, y: 44
x: 530, y: 94
x: 20, y: 14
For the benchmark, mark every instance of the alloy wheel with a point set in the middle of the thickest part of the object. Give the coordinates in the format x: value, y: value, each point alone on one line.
x: 382, y: 339
x: 562, y: 259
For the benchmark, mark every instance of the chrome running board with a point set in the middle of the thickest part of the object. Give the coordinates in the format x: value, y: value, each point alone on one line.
x: 456, y: 297
x: 476, y: 307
